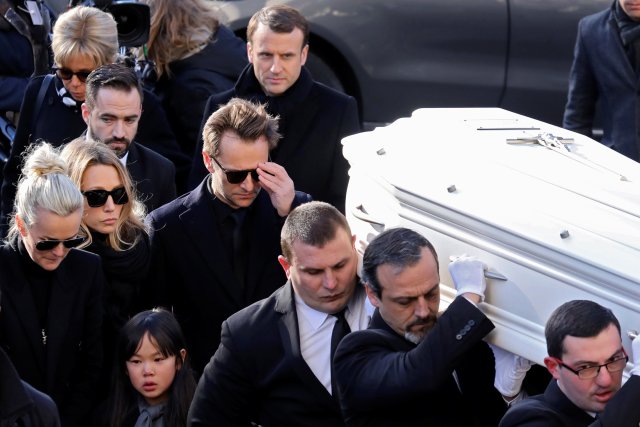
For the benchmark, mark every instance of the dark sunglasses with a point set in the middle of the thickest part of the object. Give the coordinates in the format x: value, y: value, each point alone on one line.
x: 47, y: 245
x: 236, y: 177
x: 97, y: 198
x: 67, y: 74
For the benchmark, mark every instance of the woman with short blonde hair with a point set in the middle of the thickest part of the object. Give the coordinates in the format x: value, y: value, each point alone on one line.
x: 85, y: 31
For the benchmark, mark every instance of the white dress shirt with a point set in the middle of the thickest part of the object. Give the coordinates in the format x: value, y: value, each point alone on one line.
x: 315, y: 329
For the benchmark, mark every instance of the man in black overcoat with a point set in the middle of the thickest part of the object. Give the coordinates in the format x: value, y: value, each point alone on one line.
x: 313, y: 117
x: 273, y: 365
x: 215, y: 249
x: 112, y: 111
x: 414, y: 366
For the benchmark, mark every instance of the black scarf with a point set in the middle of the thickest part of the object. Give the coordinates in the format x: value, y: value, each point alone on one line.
x: 629, y: 34
x: 125, y: 271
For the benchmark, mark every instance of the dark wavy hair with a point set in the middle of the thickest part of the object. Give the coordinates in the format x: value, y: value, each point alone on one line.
x: 163, y: 327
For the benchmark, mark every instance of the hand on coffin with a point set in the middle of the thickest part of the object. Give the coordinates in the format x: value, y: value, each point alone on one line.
x: 468, y: 277
x: 510, y: 372
x: 635, y: 355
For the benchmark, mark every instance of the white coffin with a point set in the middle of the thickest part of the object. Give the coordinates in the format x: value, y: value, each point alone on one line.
x: 558, y: 226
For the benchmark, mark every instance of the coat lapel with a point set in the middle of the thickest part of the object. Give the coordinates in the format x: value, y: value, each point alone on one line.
x: 288, y: 328
x: 61, y: 306
x: 200, y: 225
x: 626, y: 70
x: 18, y: 294
x: 263, y: 232
x: 297, y: 120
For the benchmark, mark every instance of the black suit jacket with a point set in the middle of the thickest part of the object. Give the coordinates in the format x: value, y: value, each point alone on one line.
x: 190, y: 271
x: 385, y: 380
x: 69, y: 367
x: 313, y: 121
x: 153, y: 175
x: 258, y: 373
x: 554, y: 409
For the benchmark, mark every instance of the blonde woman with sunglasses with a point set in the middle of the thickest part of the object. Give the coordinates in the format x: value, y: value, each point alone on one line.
x: 84, y: 38
x: 113, y: 223
x: 51, y: 311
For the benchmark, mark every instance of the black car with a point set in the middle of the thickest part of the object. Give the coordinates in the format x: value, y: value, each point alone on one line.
x: 398, y: 55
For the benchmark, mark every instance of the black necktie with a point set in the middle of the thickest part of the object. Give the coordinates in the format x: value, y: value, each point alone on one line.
x: 340, y: 330
x: 239, y: 255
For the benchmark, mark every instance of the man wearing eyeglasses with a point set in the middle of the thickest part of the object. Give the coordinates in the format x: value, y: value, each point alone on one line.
x: 215, y: 249
x: 586, y: 359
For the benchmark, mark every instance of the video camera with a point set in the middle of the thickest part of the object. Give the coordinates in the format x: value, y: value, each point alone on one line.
x: 133, y: 18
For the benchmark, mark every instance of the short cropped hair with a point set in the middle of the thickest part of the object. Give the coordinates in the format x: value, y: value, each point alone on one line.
x: 577, y: 318
x: 85, y: 31
x: 44, y: 184
x: 247, y: 120
x: 399, y: 247
x: 314, y: 224
x: 280, y: 19
x: 112, y: 76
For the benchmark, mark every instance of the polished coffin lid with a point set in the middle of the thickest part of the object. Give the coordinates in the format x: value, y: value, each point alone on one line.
x: 558, y: 225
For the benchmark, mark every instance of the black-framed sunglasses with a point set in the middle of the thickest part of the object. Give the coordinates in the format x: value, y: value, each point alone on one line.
x: 236, y: 177
x: 97, y: 198
x: 67, y: 74
x: 590, y: 372
x: 47, y: 245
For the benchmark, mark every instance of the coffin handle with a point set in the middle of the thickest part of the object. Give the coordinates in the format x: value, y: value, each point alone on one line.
x: 361, y: 213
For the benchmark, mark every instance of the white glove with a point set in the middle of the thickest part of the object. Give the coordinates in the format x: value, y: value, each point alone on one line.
x: 510, y: 371
x: 635, y: 356
x: 468, y: 276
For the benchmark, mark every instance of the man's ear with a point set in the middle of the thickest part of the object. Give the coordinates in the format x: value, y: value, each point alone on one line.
x: 249, y: 50
x: 285, y: 265
x: 85, y: 112
x: 552, y: 366
x: 207, y: 161
x: 373, y: 298
x: 303, y: 54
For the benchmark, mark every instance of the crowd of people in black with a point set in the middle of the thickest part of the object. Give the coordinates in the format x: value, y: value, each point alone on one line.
x: 194, y: 194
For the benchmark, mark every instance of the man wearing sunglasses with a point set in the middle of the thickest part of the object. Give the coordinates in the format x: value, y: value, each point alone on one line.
x: 112, y: 110
x: 313, y: 117
x: 214, y: 250
x: 586, y: 359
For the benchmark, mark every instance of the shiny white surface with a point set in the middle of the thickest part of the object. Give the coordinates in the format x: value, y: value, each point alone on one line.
x: 510, y: 206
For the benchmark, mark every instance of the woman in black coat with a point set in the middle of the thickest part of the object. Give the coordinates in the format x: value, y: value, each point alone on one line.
x: 51, y: 313
x: 113, y: 221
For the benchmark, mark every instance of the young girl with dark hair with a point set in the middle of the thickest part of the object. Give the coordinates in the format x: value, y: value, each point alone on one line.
x: 153, y: 383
